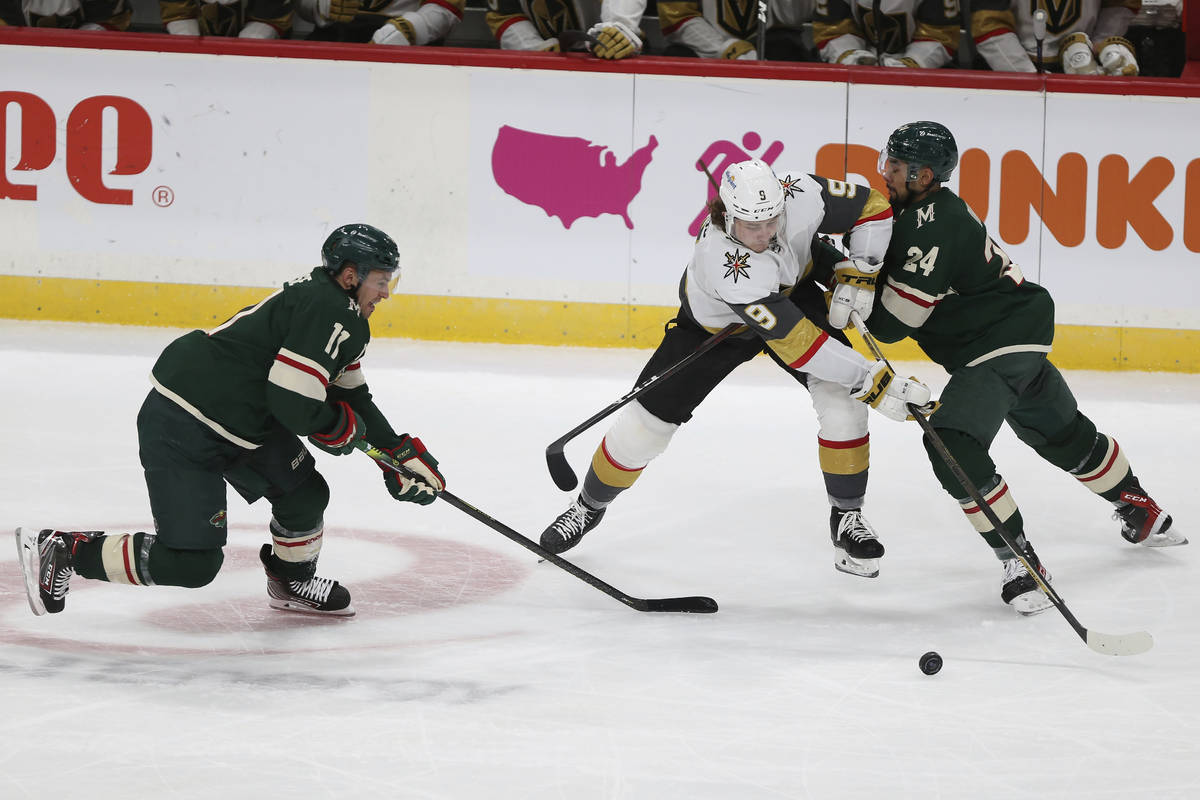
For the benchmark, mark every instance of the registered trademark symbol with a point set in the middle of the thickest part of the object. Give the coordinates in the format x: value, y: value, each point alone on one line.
x: 163, y: 196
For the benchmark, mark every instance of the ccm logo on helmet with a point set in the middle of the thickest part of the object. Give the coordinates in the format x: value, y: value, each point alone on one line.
x: 84, y: 145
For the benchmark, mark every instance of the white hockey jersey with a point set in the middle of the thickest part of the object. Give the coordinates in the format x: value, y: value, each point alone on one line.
x: 726, y: 281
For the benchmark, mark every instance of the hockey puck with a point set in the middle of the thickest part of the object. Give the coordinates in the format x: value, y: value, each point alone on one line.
x: 931, y: 663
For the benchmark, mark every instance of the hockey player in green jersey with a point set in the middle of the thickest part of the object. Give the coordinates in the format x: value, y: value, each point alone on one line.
x: 228, y: 406
x: 947, y: 285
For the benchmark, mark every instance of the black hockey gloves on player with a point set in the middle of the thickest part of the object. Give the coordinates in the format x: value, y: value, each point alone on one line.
x: 890, y: 395
x: 411, y: 453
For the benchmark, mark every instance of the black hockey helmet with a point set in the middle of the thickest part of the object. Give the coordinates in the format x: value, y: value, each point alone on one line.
x: 365, y: 246
x: 924, y: 144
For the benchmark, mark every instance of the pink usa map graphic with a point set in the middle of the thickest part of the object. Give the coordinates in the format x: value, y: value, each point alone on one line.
x: 568, y: 177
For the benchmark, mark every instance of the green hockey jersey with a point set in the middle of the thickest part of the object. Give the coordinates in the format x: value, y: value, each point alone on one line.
x: 277, y: 362
x: 946, y: 284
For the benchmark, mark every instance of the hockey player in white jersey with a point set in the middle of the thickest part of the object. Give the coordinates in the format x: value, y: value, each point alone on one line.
x: 755, y: 263
x: 1081, y: 38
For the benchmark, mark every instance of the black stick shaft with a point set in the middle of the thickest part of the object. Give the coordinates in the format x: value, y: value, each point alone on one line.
x: 560, y: 470
x: 762, y: 30
x: 698, y: 605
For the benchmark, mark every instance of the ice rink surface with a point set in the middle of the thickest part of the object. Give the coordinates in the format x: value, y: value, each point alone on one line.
x: 472, y: 671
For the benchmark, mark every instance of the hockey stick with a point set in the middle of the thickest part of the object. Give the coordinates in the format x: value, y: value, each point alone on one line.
x: 1039, y: 34
x: 569, y: 40
x: 762, y: 30
x: 694, y: 605
x: 1128, y: 644
x: 560, y: 470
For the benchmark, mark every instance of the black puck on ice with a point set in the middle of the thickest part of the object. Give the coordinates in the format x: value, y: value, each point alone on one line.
x: 931, y: 663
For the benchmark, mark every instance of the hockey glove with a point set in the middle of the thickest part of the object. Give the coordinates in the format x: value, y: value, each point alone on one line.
x: 854, y: 290
x: 396, y: 31
x: 888, y: 60
x: 1116, y: 57
x: 349, y: 428
x: 739, y: 50
x: 413, y: 455
x: 614, y: 41
x: 551, y: 46
x: 1077, y: 58
x: 890, y: 395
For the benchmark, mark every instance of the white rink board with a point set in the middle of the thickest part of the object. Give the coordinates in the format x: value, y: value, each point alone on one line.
x: 517, y: 249
x: 254, y: 157
x: 264, y: 156
x: 1133, y: 285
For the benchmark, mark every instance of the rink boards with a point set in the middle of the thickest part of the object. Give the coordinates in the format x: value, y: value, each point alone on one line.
x: 550, y: 199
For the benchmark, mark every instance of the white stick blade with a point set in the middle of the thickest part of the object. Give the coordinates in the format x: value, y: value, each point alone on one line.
x: 1127, y: 644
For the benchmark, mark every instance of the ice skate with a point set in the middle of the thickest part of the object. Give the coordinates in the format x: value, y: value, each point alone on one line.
x: 1020, y: 589
x: 1143, y: 522
x: 47, y: 560
x: 566, y: 531
x: 322, y: 596
x: 857, y: 549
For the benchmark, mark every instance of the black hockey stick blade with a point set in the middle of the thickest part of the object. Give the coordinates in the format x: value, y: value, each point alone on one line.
x: 692, y: 605
x: 570, y: 40
x: 560, y: 471
x: 687, y: 605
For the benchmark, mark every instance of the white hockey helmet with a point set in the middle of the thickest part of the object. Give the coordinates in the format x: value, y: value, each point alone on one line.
x: 751, y: 192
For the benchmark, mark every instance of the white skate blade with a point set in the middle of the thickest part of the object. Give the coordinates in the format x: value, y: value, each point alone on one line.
x: 27, y: 556
x: 300, y: 608
x: 1169, y: 538
x: 1030, y: 603
x: 862, y: 567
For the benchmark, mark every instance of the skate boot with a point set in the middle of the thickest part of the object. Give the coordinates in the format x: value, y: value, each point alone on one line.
x: 1143, y: 522
x: 1020, y: 590
x: 322, y: 596
x: 857, y: 549
x: 47, y: 559
x: 566, y: 531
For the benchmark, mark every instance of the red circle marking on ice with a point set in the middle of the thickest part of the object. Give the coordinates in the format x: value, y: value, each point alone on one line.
x: 440, y: 574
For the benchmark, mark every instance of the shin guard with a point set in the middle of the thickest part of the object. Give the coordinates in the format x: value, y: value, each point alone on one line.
x: 630, y: 444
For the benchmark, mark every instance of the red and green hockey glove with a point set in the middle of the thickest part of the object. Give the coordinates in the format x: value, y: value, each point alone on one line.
x: 413, y: 455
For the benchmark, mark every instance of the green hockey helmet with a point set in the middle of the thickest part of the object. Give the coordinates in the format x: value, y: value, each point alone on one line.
x: 365, y: 246
x: 923, y: 144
